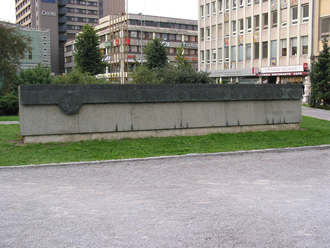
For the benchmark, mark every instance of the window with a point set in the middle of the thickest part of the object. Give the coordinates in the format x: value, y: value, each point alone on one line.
x: 163, y: 36
x: 293, y: 45
x: 220, y: 31
x: 304, y: 45
x: 179, y: 37
x: 208, y: 56
x: 171, y: 36
x: 214, y: 8
x: 294, y: 15
x: 273, y: 49
x: 70, y: 18
x: 241, y: 26
x: 325, y: 28
x: 248, y: 24
x: 233, y: 53
x: 305, y: 13
x: 256, y: 50
x: 233, y: 25
x: 256, y: 1
x: 186, y: 38
x: 80, y: 19
x: 265, y: 49
x: 248, y: 2
x: 208, y: 33
x: 240, y: 52
x: 241, y: 3
x: 208, y: 10
x: 134, y: 49
x: 183, y: 26
x: 227, y: 53
x: 134, y: 34
x: 256, y: 23
x: 202, y: 11
x: 214, y: 55
x: 176, y: 26
x: 202, y: 57
x: 265, y: 21
x: 248, y: 51
x: 220, y: 6
x: 274, y: 19
x: 202, y: 33
x: 214, y: 32
x: 81, y: 2
x: 83, y: 11
x: 234, y: 4
x: 227, y: 5
x: 220, y: 55
x: 93, y: 12
x: 92, y: 4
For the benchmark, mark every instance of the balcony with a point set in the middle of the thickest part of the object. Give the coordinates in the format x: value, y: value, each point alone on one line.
x: 62, y: 11
x: 62, y: 38
x: 61, y: 3
x: 61, y: 20
x: 62, y: 29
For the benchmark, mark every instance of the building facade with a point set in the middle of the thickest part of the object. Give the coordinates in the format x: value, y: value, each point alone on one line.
x: 38, y: 51
x: 261, y: 41
x: 64, y: 18
x: 124, y: 38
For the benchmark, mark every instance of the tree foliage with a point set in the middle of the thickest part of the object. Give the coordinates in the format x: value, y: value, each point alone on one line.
x: 155, y: 54
x: 76, y: 77
x: 182, y: 73
x: 320, y: 78
x: 88, y: 56
x: 13, y: 45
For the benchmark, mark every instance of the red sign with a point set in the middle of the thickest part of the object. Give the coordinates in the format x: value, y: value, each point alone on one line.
x: 305, y: 65
x: 127, y: 41
x: 131, y: 56
x: 282, y: 74
x: 117, y: 41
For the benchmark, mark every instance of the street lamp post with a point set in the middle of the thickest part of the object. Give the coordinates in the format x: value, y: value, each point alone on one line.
x: 141, y: 42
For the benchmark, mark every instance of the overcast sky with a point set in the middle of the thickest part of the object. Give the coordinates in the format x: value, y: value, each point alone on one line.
x: 186, y: 9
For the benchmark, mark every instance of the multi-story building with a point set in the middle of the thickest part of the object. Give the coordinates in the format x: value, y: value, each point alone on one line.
x: 124, y: 38
x: 38, y: 51
x: 64, y: 18
x: 261, y: 41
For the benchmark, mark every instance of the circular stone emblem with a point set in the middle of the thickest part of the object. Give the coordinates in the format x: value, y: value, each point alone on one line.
x: 70, y: 103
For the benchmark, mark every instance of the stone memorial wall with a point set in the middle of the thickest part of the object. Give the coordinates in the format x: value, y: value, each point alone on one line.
x: 65, y: 113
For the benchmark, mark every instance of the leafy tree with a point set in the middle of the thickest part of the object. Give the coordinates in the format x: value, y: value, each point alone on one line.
x: 320, y: 78
x: 88, y: 56
x: 13, y: 45
x: 37, y: 75
x: 181, y: 58
x: 155, y: 54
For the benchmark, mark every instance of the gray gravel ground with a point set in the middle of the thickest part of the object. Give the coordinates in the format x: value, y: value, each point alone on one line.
x: 255, y: 199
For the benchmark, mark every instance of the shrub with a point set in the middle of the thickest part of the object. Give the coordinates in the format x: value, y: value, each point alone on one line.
x: 9, y: 104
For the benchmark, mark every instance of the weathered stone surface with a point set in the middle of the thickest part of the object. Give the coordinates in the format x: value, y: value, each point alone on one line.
x: 71, y: 97
x: 154, y: 110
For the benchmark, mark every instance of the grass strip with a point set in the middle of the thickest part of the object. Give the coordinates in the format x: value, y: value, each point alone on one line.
x: 313, y: 132
x: 9, y: 118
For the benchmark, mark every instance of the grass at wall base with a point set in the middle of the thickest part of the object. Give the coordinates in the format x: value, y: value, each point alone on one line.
x: 12, y: 152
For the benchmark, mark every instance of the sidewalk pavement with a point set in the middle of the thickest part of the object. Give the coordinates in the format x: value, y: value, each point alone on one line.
x: 316, y: 113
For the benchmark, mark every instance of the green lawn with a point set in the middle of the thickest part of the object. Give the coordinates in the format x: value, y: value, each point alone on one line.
x: 313, y: 132
x: 9, y: 118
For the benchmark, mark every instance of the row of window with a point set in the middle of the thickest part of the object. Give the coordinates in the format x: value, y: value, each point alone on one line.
x: 264, y: 50
x: 81, y: 19
x: 82, y: 11
x: 245, y: 25
x: 131, y: 49
x: 163, y: 25
x: 149, y: 35
x: 221, y: 4
x: 88, y: 3
x: 28, y: 8
x: 21, y: 4
x: 25, y: 19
